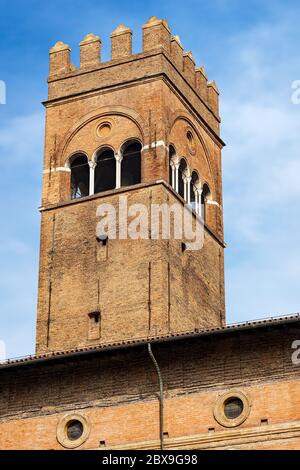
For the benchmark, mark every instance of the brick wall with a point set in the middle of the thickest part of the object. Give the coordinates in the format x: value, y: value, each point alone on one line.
x: 118, y: 392
x: 141, y: 287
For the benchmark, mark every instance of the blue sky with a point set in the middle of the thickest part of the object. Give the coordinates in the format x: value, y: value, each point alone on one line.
x: 252, y: 50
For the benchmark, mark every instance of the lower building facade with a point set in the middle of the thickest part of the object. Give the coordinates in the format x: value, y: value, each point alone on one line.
x: 230, y: 388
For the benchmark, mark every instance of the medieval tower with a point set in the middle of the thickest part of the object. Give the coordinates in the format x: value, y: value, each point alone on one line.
x: 143, y: 129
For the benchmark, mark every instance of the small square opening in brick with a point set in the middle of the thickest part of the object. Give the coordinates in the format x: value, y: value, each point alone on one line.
x: 95, y: 316
x: 264, y: 421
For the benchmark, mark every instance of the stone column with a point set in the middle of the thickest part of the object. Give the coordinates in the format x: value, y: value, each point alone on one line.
x: 187, y: 186
x: 92, y: 166
x: 187, y: 192
x: 176, y: 176
x: 172, y: 165
x: 119, y: 159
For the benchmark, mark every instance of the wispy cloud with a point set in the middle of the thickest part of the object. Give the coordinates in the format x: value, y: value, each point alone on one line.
x: 21, y: 150
x: 252, y: 49
x: 262, y: 171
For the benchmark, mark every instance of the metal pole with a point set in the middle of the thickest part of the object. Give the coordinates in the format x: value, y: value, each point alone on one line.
x: 161, y: 397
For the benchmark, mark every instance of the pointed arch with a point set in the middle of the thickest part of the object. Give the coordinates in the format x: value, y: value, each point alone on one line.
x: 101, y: 112
x: 181, y: 114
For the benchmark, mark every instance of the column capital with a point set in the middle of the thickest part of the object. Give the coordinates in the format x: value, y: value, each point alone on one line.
x: 92, y: 164
x: 118, y: 157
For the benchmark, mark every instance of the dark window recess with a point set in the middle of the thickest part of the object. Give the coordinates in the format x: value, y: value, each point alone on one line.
x: 94, y: 329
x: 95, y: 317
x: 131, y: 165
x: 105, y: 172
x: 264, y: 421
x: 233, y: 408
x: 183, y: 247
x: 172, y: 154
x: 193, y: 188
x: 102, y: 443
x: 181, y: 173
x: 80, y: 177
x: 204, y: 198
x: 211, y: 429
x: 74, y: 430
x: 103, y: 240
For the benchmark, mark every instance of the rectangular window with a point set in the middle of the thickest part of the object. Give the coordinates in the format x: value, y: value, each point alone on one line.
x: 94, y: 331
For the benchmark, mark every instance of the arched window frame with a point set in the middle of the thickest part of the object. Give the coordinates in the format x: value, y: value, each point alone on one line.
x: 184, y: 179
x: 70, y: 161
x: 206, y: 196
x: 195, y: 192
x: 94, y: 164
x: 120, y: 160
x: 173, y: 167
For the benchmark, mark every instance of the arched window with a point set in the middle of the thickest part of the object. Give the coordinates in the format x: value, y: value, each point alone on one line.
x: 181, y: 176
x: 80, y: 176
x: 194, y: 190
x: 172, y: 172
x: 105, y: 172
x: 206, y: 196
x: 131, y: 164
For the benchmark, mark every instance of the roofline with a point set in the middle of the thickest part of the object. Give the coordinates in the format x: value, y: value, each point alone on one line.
x: 172, y: 337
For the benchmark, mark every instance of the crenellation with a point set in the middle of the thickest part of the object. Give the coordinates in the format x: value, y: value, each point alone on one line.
x: 177, y: 52
x: 213, y: 96
x: 156, y: 34
x: 59, y: 58
x: 121, y: 42
x: 157, y: 41
x: 201, y: 82
x: 189, y: 68
x: 90, y: 51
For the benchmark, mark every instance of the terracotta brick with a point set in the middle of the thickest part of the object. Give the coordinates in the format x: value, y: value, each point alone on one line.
x: 140, y: 291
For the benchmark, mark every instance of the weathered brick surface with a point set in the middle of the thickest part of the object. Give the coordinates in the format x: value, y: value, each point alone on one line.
x: 118, y: 391
x: 141, y: 287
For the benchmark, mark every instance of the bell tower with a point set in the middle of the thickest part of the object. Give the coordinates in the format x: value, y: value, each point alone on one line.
x: 140, y: 129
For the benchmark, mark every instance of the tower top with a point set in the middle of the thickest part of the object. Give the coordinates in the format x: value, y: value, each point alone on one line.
x: 157, y: 39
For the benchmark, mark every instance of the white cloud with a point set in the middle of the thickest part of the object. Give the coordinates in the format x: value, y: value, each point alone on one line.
x: 262, y: 171
x: 21, y: 160
x: 20, y: 140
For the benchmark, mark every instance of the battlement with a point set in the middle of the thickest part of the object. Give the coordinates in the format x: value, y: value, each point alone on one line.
x: 157, y: 39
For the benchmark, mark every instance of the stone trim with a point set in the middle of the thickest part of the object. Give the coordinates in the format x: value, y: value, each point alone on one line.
x: 219, y: 413
x: 220, y: 440
x: 61, y: 433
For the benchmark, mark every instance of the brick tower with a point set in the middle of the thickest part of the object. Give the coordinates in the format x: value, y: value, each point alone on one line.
x: 144, y: 127
x: 132, y: 347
